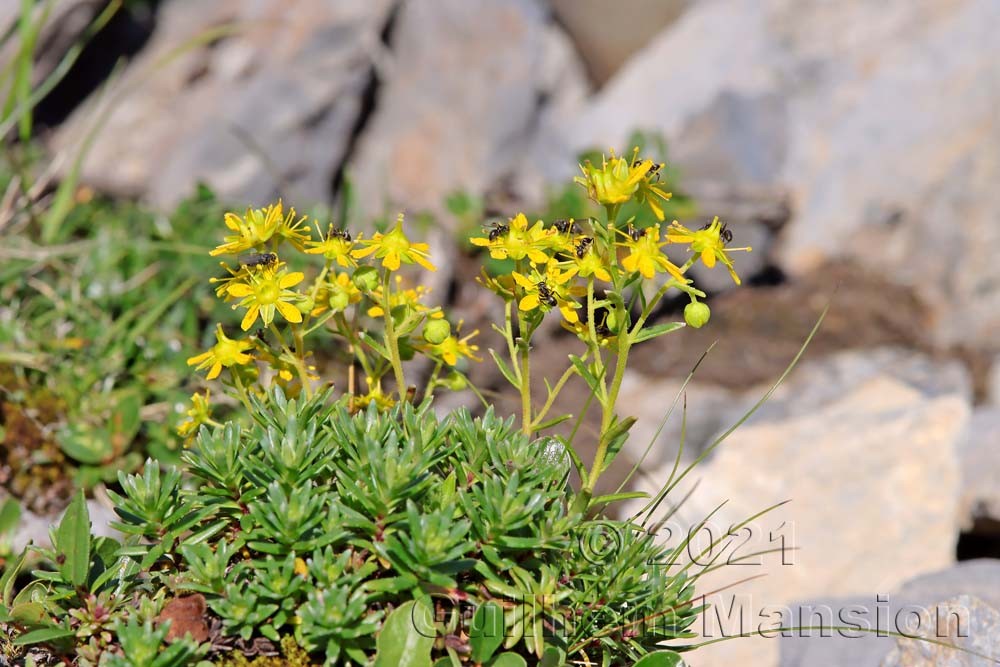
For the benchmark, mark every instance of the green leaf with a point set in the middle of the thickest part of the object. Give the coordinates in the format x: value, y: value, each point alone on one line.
x: 28, y: 613
x: 553, y: 657
x: 618, y: 497
x: 584, y: 372
x: 9, y: 575
x: 507, y: 660
x: 10, y: 514
x: 505, y: 369
x: 646, y: 333
x: 73, y: 541
x: 661, y: 659
x: 407, y: 637
x: 44, y: 635
x: 487, y: 631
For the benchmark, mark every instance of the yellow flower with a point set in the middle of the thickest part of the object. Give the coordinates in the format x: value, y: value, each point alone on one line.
x: 709, y: 243
x: 382, y: 401
x: 453, y: 347
x: 263, y: 293
x: 292, y: 230
x: 651, y: 192
x: 394, y: 249
x: 549, y: 291
x: 645, y: 255
x: 617, y: 179
x: 519, y: 241
x: 200, y: 413
x: 226, y: 352
x: 252, y: 230
x: 341, y: 292
x: 410, y: 297
x: 586, y: 262
x: 336, y: 246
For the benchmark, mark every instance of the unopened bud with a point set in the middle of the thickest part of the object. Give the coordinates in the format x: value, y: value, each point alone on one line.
x: 696, y: 314
x: 437, y: 331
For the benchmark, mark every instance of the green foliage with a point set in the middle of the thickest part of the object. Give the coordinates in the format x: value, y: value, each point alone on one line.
x: 92, y: 342
x: 367, y: 536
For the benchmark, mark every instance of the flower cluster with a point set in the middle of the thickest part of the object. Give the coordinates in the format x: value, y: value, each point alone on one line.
x: 605, y: 277
x: 358, y: 296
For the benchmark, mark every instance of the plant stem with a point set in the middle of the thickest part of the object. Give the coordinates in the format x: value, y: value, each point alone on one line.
x: 391, y: 342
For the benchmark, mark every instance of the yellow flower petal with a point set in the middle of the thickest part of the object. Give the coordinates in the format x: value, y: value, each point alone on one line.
x: 291, y: 279
x: 239, y: 290
x: 250, y: 317
x: 528, y: 302
x: 288, y: 311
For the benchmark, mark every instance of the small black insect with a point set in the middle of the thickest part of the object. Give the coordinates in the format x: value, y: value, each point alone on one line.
x: 582, y: 246
x: 634, y: 233
x: 725, y: 234
x: 546, y: 295
x: 498, y: 229
x: 566, y: 227
x: 335, y: 233
x: 258, y: 259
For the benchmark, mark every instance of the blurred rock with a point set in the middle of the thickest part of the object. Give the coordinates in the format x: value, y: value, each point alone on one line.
x: 993, y: 383
x: 606, y: 37
x: 264, y: 108
x: 965, y: 622
x: 460, y: 100
x: 873, y: 479
x: 979, y: 579
x: 979, y: 452
x: 878, y: 117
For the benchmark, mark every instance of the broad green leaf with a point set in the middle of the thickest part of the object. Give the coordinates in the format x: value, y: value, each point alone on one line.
x: 10, y: 514
x: 661, y: 659
x: 487, y: 631
x: 553, y: 657
x: 73, y: 541
x: 44, y: 635
x: 28, y: 613
x: 407, y: 637
x: 646, y: 333
x: 507, y: 660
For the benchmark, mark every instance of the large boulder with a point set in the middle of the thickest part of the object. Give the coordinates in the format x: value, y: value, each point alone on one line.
x: 872, y: 476
x: 258, y: 99
x: 467, y: 86
x: 878, y: 117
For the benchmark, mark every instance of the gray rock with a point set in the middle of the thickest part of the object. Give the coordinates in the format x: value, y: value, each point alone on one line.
x: 964, y: 622
x: 873, y: 479
x: 265, y: 109
x: 993, y: 383
x: 891, y: 610
x: 979, y: 452
x: 879, y: 118
x: 597, y: 28
x: 460, y: 100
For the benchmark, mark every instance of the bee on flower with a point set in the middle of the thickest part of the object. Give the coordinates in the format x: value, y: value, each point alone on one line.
x: 619, y: 179
x: 519, y: 241
x: 263, y: 293
x: 548, y: 290
x: 395, y: 249
x: 336, y: 246
x: 585, y: 261
x: 708, y: 243
x: 645, y: 255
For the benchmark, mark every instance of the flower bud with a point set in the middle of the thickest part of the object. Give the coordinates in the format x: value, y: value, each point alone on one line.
x: 696, y: 314
x: 366, y: 278
x: 305, y: 305
x: 437, y: 331
x: 339, y: 301
x: 455, y: 382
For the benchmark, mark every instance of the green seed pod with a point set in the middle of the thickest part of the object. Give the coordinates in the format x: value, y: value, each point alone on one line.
x: 366, y: 278
x: 437, y: 331
x: 696, y: 314
x: 455, y: 382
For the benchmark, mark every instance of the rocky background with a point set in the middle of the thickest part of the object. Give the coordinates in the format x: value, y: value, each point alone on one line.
x: 854, y: 144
